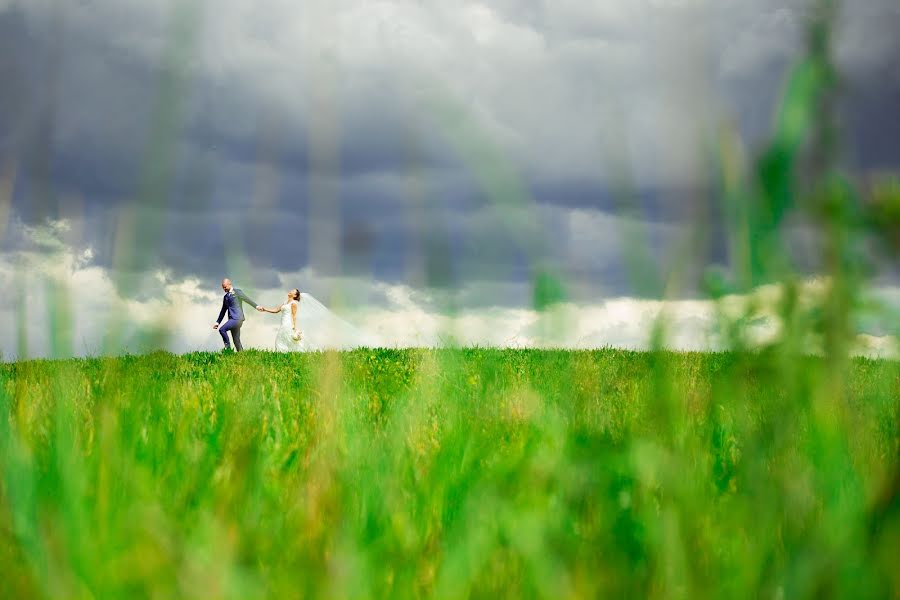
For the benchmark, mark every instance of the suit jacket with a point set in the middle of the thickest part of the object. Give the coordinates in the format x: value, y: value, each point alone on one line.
x: 233, y: 305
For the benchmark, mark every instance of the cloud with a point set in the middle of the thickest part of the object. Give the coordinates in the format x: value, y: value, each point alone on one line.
x: 295, y: 134
x: 534, y: 75
x: 63, y: 296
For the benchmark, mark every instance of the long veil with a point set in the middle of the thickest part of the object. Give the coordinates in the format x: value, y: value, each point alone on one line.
x: 324, y: 330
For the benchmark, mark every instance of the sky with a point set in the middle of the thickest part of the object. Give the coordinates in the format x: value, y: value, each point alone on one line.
x: 404, y: 161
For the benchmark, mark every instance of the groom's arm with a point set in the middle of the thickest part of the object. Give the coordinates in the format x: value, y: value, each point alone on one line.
x: 222, y: 312
x: 240, y: 294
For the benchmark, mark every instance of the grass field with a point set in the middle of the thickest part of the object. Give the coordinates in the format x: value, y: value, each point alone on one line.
x: 449, y: 473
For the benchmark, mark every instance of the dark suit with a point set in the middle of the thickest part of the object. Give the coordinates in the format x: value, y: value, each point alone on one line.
x: 232, y: 304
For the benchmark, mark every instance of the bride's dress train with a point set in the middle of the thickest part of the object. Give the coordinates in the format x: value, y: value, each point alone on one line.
x: 320, y: 329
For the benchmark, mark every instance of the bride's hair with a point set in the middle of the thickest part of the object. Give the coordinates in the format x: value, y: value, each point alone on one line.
x: 295, y: 294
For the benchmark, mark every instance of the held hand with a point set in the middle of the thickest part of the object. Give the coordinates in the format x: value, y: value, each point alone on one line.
x: 260, y: 309
x: 216, y: 326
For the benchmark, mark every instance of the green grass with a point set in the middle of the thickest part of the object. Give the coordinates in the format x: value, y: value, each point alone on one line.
x: 449, y: 473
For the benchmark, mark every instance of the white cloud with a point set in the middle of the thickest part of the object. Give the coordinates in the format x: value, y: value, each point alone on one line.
x: 401, y: 316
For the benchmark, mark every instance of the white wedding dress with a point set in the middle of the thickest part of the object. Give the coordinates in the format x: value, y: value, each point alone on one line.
x: 320, y: 329
x: 284, y: 339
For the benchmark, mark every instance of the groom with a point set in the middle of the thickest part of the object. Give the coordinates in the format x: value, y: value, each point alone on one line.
x: 233, y: 304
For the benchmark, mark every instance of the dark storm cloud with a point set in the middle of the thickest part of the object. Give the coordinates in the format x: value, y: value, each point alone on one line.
x: 15, y: 76
x: 872, y: 86
x: 226, y: 142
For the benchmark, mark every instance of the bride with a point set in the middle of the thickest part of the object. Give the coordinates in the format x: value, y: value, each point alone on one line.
x: 308, y: 326
x: 288, y: 338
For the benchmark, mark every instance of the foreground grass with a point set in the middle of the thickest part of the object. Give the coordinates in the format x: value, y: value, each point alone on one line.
x: 448, y: 474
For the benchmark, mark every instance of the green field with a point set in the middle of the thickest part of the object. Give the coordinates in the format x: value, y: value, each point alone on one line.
x: 449, y: 474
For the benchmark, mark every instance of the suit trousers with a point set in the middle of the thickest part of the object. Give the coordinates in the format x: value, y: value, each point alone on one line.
x: 234, y: 326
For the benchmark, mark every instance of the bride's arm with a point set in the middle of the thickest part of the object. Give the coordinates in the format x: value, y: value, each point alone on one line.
x: 274, y: 311
x: 294, y: 314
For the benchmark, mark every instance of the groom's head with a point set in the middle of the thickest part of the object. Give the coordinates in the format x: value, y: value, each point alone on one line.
x: 226, y: 285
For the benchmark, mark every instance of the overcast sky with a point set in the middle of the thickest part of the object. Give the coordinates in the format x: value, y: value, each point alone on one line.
x: 389, y: 145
